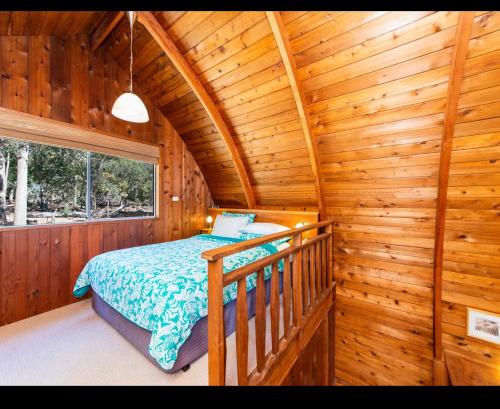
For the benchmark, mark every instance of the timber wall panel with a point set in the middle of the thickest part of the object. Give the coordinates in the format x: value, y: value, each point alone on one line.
x: 471, y: 257
x: 60, y: 78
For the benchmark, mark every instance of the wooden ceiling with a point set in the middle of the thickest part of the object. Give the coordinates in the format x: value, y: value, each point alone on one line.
x: 57, y: 23
x: 331, y: 77
x: 235, y: 57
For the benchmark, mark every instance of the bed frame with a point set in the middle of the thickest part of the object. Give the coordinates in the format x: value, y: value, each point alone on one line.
x: 304, y: 355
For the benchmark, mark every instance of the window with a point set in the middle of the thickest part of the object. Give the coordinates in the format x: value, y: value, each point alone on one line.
x: 44, y: 184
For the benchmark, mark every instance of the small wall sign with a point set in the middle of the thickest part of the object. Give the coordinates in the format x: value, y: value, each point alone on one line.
x: 483, y: 325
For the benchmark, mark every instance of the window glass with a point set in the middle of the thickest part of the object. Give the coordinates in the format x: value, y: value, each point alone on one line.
x: 121, y: 187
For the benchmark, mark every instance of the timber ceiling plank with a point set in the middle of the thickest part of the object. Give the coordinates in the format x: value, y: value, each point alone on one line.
x: 148, y: 20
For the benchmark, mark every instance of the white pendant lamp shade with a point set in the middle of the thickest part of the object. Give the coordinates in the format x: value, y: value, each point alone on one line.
x: 130, y: 107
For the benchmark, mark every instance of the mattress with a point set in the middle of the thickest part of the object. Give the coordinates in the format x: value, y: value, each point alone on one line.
x: 195, y: 345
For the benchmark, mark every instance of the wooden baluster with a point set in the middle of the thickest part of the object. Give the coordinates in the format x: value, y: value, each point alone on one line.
x: 312, y: 274
x: 242, y: 332
x: 216, y: 336
x: 323, y: 263
x: 275, y: 308
x: 305, y: 278
x: 318, y: 268
x: 260, y: 320
x: 329, y: 252
x: 297, y: 280
x: 286, y: 296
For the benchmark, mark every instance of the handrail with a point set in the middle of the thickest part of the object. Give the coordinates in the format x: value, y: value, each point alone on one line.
x: 307, y: 280
x: 217, y: 253
x: 242, y: 272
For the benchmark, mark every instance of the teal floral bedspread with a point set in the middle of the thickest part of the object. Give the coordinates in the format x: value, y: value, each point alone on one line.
x: 163, y: 287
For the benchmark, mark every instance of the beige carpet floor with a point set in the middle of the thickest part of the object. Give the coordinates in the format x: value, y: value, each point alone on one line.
x: 72, y: 345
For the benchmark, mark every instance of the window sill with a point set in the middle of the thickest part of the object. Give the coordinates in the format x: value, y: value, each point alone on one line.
x: 71, y: 224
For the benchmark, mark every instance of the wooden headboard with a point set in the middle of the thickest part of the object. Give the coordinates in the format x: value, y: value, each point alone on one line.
x: 284, y: 217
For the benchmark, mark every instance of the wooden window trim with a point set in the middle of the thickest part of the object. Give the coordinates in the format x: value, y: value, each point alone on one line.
x: 20, y: 125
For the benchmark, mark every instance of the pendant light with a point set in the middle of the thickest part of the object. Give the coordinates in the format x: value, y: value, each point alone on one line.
x: 129, y: 106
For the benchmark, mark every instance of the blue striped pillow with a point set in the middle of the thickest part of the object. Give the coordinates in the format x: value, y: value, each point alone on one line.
x: 250, y: 216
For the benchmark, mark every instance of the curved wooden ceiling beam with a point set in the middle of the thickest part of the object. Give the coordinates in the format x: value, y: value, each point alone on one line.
x: 148, y: 20
x: 285, y: 50
x: 462, y: 37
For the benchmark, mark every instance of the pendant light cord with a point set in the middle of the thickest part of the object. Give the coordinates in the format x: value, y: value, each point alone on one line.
x: 131, y: 18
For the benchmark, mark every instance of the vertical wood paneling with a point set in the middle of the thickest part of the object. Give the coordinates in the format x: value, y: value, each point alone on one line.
x: 8, y: 300
x: 21, y: 267
x: 79, y: 81
x: 60, y: 78
x: 79, y: 254
x: 37, y: 275
x: 40, y: 90
x: 59, y: 266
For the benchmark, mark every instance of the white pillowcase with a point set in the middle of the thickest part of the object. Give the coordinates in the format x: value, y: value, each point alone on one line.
x: 229, y: 226
x: 284, y: 246
x: 264, y: 228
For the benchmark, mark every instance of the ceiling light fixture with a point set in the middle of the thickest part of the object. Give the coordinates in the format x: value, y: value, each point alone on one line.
x: 128, y: 105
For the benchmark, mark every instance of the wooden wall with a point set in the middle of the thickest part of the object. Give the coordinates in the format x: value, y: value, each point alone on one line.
x: 471, y: 259
x: 60, y: 78
x: 376, y: 86
x: 39, y: 265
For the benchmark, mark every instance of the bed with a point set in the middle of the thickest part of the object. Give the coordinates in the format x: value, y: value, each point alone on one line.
x: 156, y: 295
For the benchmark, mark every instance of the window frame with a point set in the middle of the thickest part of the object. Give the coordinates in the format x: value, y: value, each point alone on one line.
x: 90, y: 220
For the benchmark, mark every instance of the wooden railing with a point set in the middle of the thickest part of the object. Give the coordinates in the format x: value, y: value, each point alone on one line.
x: 307, y: 298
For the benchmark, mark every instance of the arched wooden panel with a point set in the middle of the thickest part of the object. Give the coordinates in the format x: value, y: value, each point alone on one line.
x: 281, y: 37
x: 236, y: 59
x: 167, y: 45
x: 161, y: 80
x: 375, y: 84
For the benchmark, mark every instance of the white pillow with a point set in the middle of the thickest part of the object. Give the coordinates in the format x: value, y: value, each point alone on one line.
x: 284, y: 246
x: 229, y: 226
x: 264, y: 228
